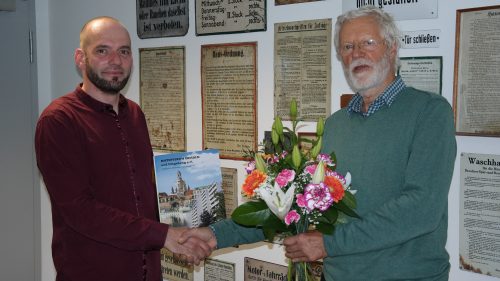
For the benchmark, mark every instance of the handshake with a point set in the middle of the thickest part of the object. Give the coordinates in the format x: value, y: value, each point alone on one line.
x: 193, y: 245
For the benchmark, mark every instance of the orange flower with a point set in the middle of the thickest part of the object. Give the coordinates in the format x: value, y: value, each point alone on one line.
x: 336, y: 188
x: 252, y: 182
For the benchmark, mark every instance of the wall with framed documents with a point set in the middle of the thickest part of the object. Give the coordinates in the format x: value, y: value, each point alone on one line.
x: 430, y: 40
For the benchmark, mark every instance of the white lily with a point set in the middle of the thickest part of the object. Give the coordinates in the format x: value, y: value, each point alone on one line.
x: 348, y: 183
x: 278, y: 201
x: 319, y: 174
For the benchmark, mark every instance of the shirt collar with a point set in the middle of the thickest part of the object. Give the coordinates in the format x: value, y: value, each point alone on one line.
x: 386, y: 98
x: 97, y: 105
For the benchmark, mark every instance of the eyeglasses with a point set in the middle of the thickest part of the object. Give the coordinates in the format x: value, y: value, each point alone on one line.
x: 367, y: 45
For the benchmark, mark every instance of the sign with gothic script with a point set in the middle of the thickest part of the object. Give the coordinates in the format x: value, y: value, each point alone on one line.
x: 399, y: 9
x: 162, y: 18
x: 264, y: 271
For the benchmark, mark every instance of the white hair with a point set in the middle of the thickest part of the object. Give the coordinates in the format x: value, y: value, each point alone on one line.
x: 388, y: 29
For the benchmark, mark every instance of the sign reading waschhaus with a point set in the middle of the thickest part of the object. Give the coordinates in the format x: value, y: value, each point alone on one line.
x: 230, y: 16
x: 162, y: 18
x: 480, y: 213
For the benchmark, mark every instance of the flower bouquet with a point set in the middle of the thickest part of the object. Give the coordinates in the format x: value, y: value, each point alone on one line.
x: 292, y: 192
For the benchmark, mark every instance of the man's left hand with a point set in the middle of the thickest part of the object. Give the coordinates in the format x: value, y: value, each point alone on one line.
x: 305, y: 247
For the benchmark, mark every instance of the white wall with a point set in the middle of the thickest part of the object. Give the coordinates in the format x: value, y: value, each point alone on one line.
x: 58, y: 26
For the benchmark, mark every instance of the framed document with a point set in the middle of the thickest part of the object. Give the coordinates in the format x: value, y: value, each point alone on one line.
x: 229, y: 98
x: 162, y: 96
x: 302, y: 68
x: 216, y: 270
x: 476, y: 86
x: 423, y: 73
x: 231, y: 16
x: 230, y: 189
x: 162, y: 18
x: 480, y: 213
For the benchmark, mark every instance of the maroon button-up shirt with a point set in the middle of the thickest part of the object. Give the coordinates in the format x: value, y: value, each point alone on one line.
x: 97, y: 167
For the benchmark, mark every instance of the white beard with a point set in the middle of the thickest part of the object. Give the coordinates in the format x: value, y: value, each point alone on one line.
x: 361, y: 82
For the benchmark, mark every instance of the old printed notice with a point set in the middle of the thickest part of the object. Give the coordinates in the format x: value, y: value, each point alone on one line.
x: 229, y: 98
x: 230, y: 16
x: 217, y: 270
x: 423, y: 73
x: 480, y: 213
x: 162, y: 91
x: 477, y: 68
x: 230, y: 189
x: 302, y: 68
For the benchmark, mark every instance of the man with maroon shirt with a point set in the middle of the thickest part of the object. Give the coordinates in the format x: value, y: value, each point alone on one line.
x: 94, y: 153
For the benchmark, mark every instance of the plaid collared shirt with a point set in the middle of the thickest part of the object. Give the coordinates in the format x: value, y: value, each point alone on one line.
x: 386, y: 98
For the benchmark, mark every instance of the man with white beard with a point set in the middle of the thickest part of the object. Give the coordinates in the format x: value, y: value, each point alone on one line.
x: 399, y: 145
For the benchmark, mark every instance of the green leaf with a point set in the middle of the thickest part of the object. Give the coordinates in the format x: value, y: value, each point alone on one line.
x: 349, y: 200
x: 325, y: 228
x: 346, y: 210
x: 269, y: 233
x: 331, y: 215
x: 275, y: 223
x: 252, y: 213
x: 334, y: 159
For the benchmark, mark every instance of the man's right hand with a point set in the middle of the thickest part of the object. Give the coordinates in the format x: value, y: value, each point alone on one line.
x: 191, y: 248
x: 201, y: 233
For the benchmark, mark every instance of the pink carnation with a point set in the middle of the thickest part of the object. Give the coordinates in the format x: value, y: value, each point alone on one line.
x: 285, y: 177
x: 292, y: 217
x: 311, y: 169
x: 325, y: 157
x: 317, y: 196
x: 301, y: 200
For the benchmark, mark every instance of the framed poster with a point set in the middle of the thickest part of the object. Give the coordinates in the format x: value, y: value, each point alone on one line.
x: 230, y: 189
x: 162, y: 18
x: 423, y: 73
x: 476, y: 84
x: 302, y: 68
x: 480, y: 213
x: 162, y: 96
x: 230, y: 16
x: 229, y: 98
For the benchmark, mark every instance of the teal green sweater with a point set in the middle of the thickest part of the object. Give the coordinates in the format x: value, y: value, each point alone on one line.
x: 401, y: 160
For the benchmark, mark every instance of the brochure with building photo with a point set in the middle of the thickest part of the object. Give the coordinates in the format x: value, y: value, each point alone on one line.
x: 189, y: 187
